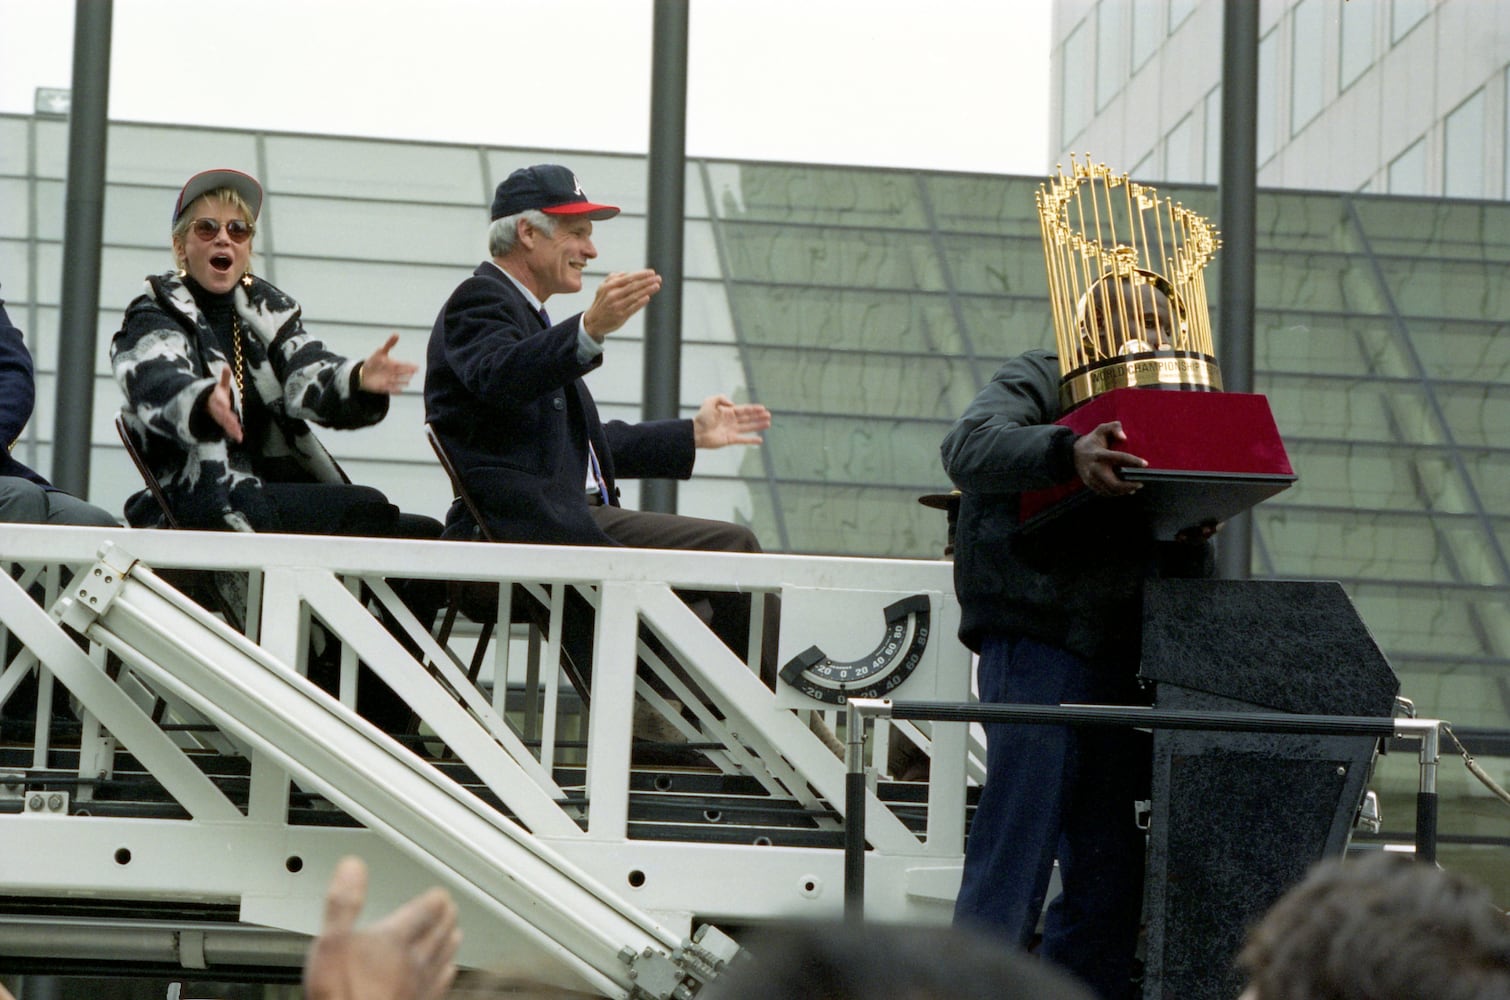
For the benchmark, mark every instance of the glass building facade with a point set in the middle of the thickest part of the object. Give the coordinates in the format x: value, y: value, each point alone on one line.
x: 865, y: 307
x: 1387, y: 96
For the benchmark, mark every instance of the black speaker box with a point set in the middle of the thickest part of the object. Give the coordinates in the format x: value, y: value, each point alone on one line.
x: 1239, y: 817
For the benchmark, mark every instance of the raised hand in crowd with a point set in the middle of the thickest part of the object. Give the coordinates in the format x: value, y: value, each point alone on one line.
x: 408, y: 955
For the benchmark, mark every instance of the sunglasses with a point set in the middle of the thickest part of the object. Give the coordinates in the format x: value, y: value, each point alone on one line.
x: 208, y: 229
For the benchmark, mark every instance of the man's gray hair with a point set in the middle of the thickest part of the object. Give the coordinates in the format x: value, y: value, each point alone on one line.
x: 504, y: 232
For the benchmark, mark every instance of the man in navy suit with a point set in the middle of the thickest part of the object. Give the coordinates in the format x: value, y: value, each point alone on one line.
x: 504, y: 392
x: 24, y: 495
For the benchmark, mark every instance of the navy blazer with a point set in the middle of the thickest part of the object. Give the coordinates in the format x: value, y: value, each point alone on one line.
x: 18, y: 394
x: 505, y: 395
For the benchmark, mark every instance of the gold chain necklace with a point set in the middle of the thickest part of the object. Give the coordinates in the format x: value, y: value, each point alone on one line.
x: 236, y: 352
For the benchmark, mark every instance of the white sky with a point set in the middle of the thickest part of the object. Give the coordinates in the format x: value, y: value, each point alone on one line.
x: 947, y: 84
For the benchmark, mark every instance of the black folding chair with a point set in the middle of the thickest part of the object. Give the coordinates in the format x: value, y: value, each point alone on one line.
x: 153, y: 486
x: 199, y: 585
x: 479, y: 602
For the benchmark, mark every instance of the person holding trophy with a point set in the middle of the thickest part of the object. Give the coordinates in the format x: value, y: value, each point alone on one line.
x: 1054, y: 610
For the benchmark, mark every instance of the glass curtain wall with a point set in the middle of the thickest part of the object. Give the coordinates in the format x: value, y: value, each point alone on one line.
x: 865, y: 308
x: 870, y: 306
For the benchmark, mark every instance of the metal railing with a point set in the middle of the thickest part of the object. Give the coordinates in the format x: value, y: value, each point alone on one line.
x: 864, y: 711
x: 262, y: 781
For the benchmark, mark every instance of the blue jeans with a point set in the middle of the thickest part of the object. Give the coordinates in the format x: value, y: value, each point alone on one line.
x: 1058, y: 792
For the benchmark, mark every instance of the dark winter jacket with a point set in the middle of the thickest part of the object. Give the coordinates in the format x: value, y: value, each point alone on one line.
x: 18, y: 394
x: 504, y: 392
x: 1080, y: 589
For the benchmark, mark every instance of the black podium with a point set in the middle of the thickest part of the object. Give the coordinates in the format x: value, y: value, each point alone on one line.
x: 1239, y: 817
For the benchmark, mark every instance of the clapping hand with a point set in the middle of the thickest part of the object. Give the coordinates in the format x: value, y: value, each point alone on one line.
x: 221, y: 408
x: 386, y: 375
x: 719, y: 422
x: 621, y: 295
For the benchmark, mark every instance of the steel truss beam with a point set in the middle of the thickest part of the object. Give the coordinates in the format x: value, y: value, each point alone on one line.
x: 556, y: 879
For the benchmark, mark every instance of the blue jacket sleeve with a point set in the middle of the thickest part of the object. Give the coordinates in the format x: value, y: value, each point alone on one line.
x: 654, y: 449
x: 18, y: 393
x: 18, y: 396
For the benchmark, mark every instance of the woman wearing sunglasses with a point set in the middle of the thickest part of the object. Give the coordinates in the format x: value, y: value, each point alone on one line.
x: 221, y: 382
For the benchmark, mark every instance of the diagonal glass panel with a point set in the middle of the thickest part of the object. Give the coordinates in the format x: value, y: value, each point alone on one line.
x: 1425, y: 618
x: 1002, y: 327
x: 848, y: 319
x: 864, y: 258
x: 1328, y: 343
x: 816, y: 195
x: 842, y: 449
x: 1464, y: 350
x: 1000, y: 206
x: 1479, y: 415
x: 1371, y: 476
x: 1448, y: 289
x: 996, y: 266
x: 870, y: 521
x: 1490, y: 471
x: 858, y: 382
x: 1380, y: 545
x: 1350, y: 409
x: 1318, y: 281
x: 1428, y: 228
x: 1303, y: 223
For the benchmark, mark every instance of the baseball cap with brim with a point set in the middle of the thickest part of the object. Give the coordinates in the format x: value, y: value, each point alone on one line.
x: 212, y: 180
x: 548, y: 188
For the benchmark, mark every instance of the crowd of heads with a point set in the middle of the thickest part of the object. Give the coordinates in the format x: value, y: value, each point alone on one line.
x: 1381, y: 927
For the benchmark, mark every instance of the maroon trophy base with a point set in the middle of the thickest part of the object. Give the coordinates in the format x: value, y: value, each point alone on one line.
x: 1210, y: 455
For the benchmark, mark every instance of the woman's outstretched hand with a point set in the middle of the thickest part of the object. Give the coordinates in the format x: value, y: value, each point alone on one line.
x: 220, y: 409
x: 384, y: 374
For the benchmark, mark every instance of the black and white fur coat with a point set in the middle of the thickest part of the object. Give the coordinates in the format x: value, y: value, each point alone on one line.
x: 167, y: 359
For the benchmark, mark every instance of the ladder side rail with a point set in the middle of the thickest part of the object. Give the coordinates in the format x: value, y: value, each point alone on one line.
x: 470, y: 846
x: 401, y: 672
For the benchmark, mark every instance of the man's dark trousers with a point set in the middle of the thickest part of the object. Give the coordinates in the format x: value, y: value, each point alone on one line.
x: 1055, y: 791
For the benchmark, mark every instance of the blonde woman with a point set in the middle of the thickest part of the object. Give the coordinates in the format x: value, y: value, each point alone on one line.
x: 222, y: 382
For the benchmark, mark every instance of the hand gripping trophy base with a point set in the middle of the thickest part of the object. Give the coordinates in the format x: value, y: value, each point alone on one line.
x: 1210, y: 455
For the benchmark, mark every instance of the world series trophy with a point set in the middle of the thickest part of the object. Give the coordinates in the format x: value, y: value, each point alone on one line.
x: 1127, y: 290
